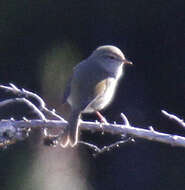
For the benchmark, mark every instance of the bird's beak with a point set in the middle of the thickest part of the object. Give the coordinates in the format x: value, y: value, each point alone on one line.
x: 127, y: 62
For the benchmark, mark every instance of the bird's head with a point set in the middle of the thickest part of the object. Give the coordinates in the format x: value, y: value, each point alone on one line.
x: 110, y: 58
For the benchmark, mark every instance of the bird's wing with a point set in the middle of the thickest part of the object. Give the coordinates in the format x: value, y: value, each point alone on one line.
x: 68, y: 85
x: 96, y: 98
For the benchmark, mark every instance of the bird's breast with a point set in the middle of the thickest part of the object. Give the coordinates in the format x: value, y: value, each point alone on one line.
x: 105, y: 92
x: 106, y: 98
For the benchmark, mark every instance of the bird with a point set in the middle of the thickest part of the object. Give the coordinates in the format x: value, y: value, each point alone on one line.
x: 92, y: 86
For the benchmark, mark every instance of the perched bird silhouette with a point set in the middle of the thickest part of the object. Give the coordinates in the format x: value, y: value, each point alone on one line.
x: 92, y: 86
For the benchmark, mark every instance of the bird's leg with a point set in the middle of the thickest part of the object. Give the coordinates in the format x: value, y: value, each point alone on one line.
x: 101, y: 117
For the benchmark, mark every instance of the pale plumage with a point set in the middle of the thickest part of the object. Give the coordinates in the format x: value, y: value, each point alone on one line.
x: 92, y: 86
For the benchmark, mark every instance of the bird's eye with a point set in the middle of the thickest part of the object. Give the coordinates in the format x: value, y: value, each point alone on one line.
x: 111, y: 57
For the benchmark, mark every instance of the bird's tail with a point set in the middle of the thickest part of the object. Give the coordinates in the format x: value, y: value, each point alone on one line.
x: 71, y: 134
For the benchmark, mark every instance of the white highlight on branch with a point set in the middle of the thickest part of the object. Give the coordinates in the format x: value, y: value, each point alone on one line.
x: 11, y: 130
x: 173, y: 117
x: 27, y: 94
x: 126, y: 122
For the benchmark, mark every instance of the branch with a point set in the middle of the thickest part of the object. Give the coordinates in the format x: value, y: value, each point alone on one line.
x: 12, y: 131
x: 27, y: 94
x: 24, y: 100
x: 98, y: 150
x: 115, y: 129
x: 175, y: 118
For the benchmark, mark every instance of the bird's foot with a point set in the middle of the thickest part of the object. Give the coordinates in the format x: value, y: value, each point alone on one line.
x: 101, y: 117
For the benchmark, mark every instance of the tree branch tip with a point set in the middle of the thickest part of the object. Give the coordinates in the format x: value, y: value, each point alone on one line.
x: 14, y: 86
x: 164, y: 112
x: 6, y: 88
x: 125, y: 120
x: 174, y: 117
x: 2, y: 86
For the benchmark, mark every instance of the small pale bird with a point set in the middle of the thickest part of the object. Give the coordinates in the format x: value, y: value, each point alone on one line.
x: 92, y: 86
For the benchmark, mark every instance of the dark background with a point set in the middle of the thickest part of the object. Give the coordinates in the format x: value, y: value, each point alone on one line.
x: 150, y: 33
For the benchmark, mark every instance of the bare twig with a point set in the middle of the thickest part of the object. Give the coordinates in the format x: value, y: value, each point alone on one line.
x: 125, y: 120
x: 116, y: 129
x: 105, y: 148
x: 27, y: 102
x: 11, y: 130
x: 42, y: 106
x: 174, y: 117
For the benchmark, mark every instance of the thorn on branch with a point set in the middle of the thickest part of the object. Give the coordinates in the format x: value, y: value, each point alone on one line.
x: 14, y: 87
x: 151, y: 128
x: 125, y: 120
x: 12, y: 130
